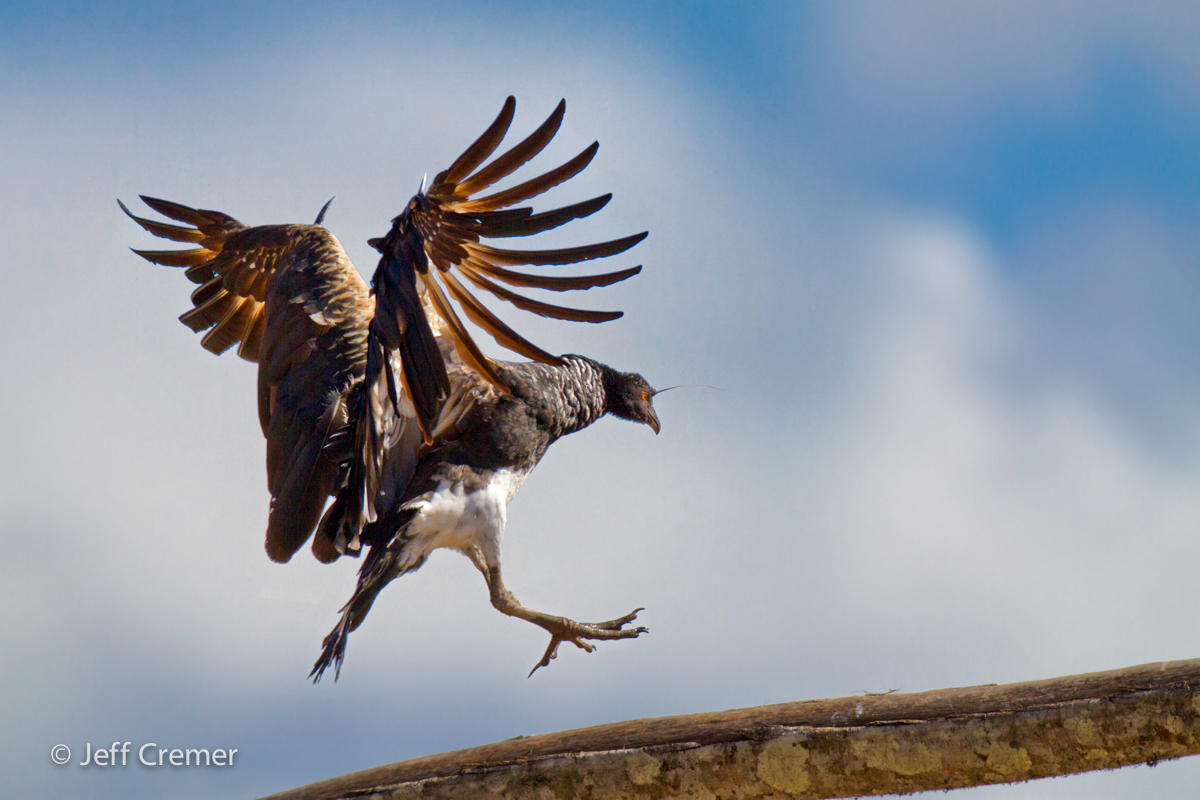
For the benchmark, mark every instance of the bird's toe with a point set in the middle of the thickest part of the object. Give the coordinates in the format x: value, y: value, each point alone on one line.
x: 618, y: 623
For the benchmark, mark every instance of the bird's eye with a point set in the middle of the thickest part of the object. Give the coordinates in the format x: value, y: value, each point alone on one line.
x: 645, y: 397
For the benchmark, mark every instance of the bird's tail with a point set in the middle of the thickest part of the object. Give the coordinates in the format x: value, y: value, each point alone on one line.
x: 377, y: 571
x: 333, y: 650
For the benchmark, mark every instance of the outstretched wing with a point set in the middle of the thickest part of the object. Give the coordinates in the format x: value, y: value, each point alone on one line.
x: 289, y: 297
x: 442, y: 227
x: 229, y: 302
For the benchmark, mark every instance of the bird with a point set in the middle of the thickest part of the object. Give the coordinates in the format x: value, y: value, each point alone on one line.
x: 387, y: 428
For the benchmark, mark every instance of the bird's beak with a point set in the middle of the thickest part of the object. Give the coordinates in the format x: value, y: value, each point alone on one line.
x: 653, y: 422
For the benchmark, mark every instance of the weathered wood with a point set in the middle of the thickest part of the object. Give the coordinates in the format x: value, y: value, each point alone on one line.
x: 844, y: 747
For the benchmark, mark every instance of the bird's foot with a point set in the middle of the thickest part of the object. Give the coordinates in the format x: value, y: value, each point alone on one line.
x: 568, y: 630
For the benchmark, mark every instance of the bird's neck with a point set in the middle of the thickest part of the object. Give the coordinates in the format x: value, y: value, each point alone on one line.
x: 565, y: 398
x: 583, y: 385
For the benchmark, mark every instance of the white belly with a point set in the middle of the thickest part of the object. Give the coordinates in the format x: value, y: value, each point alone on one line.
x: 462, y: 520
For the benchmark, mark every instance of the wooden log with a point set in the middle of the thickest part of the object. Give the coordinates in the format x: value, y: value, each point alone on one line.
x: 845, y: 747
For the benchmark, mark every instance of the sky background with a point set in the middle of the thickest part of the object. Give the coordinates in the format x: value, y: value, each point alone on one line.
x: 941, y: 259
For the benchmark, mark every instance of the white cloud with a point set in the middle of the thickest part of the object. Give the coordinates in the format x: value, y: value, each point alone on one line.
x: 963, y: 500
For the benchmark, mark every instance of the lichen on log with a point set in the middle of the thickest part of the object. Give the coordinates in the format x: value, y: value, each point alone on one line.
x: 845, y: 747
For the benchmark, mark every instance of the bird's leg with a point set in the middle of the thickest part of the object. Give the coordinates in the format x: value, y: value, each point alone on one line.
x: 561, y: 629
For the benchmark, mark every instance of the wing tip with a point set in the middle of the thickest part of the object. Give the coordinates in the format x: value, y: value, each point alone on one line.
x: 149, y: 255
x: 278, y: 552
x: 155, y: 202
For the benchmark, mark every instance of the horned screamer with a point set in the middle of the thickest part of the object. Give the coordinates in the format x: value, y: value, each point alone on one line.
x: 387, y: 427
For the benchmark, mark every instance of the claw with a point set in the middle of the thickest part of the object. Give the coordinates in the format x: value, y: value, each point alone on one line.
x: 552, y: 653
x: 576, y: 632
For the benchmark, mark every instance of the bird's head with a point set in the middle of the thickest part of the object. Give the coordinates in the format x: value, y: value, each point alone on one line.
x: 629, y: 396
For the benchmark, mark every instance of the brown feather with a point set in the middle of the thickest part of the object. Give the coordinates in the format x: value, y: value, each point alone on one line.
x: 258, y: 289
x: 175, y: 233
x: 300, y: 491
x: 537, y: 223
x: 177, y: 258
x: 564, y: 255
x: 538, y: 307
x: 446, y: 253
x: 212, y: 312
x: 512, y: 160
x: 206, y: 291
x: 479, y: 150
x: 252, y: 342
x: 551, y: 282
x: 485, y: 319
x: 242, y: 277
x: 532, y: 187
x: 202, y: 273
x: 210, y: 223
x: 230, y: 329
x: 463, y: 343
x: 176, y: 211
x: 472, y: 225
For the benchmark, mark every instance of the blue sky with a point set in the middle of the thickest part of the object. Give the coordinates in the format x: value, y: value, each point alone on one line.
x: 941, y: 260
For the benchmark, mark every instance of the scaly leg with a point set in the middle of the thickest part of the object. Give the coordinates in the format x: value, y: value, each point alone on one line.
x: 561, y: 629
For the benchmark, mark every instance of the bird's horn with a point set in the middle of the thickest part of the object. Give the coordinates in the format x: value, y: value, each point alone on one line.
x: 685, y: 386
